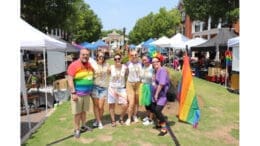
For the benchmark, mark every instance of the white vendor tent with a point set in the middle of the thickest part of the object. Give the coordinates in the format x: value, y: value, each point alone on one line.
x: 162, y: 42
x: 195, y: 42
x: 178, y: 41
x: 234, y: 43
x: 34, y: 40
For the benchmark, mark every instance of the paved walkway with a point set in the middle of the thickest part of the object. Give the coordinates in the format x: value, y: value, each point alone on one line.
x: 35, y: 118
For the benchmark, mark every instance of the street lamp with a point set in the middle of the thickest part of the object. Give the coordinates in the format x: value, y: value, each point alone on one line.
x: 124, y: 39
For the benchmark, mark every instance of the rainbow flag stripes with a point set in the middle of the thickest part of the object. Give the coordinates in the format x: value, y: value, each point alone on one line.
x: 188, y: 102
x: 228, y: 55
x: 83, y: 77
x: 83, y: 82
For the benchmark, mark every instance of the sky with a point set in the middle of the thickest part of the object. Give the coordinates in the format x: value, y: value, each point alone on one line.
x: 116, y: 14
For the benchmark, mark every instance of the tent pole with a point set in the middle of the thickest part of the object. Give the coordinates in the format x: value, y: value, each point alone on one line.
x: 25, y: 94
x: 45, y: 80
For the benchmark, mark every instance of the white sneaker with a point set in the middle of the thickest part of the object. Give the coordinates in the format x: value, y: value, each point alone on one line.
x: 145, y: 119
x: 136, y: 119
x: 127, y: 122
x: 146, y: 123
x: 95, y: 124
x: 100, y: 126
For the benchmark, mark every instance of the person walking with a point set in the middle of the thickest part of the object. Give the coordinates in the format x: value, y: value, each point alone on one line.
x: 132, y: 86
x: 80, y: 81
x: 117, y: 90
x: 99, y: 93
x: 160, y: 87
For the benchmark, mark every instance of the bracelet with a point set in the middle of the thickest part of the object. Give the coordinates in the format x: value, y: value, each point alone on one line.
x: 73, y: 92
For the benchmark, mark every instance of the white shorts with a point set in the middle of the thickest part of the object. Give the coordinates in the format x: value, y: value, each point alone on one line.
x: 113, y: 97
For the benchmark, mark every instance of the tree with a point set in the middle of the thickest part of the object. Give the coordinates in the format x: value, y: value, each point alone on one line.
x: 163, y: 23
x: 72, y: 16
x: 216, y: 9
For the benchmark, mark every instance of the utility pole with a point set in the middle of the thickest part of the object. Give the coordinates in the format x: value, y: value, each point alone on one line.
x: 124, y: 40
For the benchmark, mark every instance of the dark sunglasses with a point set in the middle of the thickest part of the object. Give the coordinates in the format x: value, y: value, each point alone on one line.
x: 117, y: 59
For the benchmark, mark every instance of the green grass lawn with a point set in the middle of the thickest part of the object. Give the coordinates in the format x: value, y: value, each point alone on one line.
x: 218, y: 126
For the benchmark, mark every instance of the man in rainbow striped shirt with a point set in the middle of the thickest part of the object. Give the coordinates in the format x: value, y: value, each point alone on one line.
x: 80, y: 79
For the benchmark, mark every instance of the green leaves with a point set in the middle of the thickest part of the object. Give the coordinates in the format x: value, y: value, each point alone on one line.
x: 202, y: 9
x: 155, y: 25
x: 73, y: 16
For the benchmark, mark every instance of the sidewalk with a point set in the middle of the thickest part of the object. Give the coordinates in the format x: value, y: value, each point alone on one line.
x: 35, y: 119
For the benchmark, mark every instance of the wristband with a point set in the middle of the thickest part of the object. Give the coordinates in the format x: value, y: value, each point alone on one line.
x: 73, y: 92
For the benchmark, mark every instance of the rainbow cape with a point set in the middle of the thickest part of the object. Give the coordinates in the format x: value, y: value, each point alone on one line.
x: 188, y: 102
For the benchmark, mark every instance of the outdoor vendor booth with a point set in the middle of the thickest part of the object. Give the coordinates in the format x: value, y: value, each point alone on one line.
x: 234, y: 43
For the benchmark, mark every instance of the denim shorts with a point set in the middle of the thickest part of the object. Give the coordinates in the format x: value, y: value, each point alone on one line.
x: 99, y: 92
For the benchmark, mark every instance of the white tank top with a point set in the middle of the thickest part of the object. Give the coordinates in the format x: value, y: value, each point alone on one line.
x: 117, y: 78
x: 134, y: 72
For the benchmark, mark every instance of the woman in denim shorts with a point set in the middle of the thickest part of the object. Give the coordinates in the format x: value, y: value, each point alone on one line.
x: 99, y: 92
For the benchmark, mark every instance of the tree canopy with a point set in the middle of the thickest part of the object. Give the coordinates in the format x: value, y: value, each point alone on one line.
x: 202, y: 9
x: 72, y: 16
x: 155, y: 25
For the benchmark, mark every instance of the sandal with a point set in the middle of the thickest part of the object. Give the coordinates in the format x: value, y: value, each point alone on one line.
x: 113, y: 124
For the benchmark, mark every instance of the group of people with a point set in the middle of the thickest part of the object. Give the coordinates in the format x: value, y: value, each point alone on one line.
x: 129, y: 85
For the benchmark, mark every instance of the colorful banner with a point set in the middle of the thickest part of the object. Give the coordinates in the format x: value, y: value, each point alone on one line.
x: 188, y: 102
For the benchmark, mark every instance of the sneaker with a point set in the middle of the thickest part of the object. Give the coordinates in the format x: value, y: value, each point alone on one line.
x: 147, y: 122
x: 95, y: 124
x: 145, y: 119
x: 136, y: 119
x: 127, y: 122
x: 100, y: 126
x: 77, y: 133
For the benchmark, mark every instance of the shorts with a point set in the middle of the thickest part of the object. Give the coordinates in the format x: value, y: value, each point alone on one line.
x: 99, y: 92
x: 113, y: 97
x: 81, y: 105
x: 132, y: 89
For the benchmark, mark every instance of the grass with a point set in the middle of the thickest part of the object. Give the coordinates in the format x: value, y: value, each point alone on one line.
x: 219, y: 124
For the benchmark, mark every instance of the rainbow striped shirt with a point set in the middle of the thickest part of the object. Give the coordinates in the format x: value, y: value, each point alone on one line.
x: 83, y: 77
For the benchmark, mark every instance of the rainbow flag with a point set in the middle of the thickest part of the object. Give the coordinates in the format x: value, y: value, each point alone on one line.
x: 188, y: 102
x: 228, y: 55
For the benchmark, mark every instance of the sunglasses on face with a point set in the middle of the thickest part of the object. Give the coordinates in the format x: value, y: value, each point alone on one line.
x: 117, y: 59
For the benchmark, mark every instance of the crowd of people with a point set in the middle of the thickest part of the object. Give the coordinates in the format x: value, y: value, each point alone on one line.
x: 130, y: 85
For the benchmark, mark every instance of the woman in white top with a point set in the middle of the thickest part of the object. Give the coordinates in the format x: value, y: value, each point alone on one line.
x: 99, y: 92
x: 145, y: 89
x: 116, y: 89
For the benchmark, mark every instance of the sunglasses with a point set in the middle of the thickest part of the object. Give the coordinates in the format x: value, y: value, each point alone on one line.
x: 117, y: 59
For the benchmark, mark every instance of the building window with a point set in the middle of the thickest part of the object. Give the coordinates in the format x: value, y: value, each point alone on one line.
x: 197, y: 27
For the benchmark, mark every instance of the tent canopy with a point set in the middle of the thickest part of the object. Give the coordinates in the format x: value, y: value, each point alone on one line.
x: 33, y: 39
x: 162, y: 42
x: 146, y: 44
x: 178, y: 41
x: 100, y: 43
x: 195, y: 42
x: 220, y: 39
x: 233, y: 42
